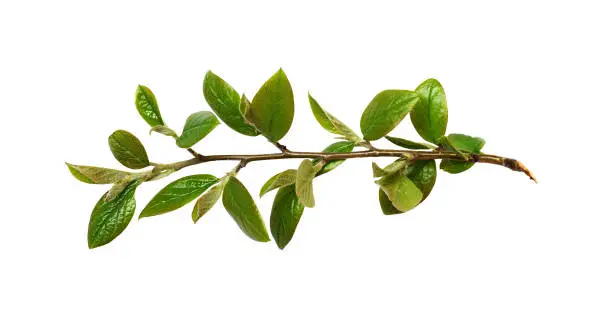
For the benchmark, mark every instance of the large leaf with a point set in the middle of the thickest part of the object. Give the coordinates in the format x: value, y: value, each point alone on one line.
x: 178, y: 193
x: 462, y: 143
x: 240, y: 205
x: 337, y: 147
x: 279, y: 180
x: 225, y: 101
x: 271, y: 110
x: 128, y: 150
x: 96, y: 175
x: 408, y: 144
x: 430, y: 114
x: 303, y: 183
x: 385, y: 112
x: 402, y: 192
x: 207, y: 201
x: 331, y: 123
x: 286, y: 213
x: 146, y: 104
x: 110, y: 218
x: 197, y: 126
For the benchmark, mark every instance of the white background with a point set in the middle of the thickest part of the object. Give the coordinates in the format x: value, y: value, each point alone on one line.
x: 531, y: 77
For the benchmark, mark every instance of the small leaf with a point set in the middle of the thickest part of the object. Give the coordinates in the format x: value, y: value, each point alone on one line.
x: 96, y: 175
x: 225, y: 102
x: 286, y: 213
x: 240, y: 205
x: 377, y: 171
x: 147, y: 106
x: 279, y: 180
x: 385, y: 204
x: 109, y: 219
x: 430, y: 114
x: 337, y: 147
x: 331, y: 123
x: 197, y: 126
x: 117, y: 188
x: 462, y: 143
x: 394, y: 167
x: 164, y: 130
x: 245, y: 104
x: 207, y: 201
x: 128, y: 150
x: 402, y: 192
x: 386, y: 111
x: 303, y: 183
x: 408, y: 144
x: 178, y: 193
x: 423, y: 174
x: 271, y: 110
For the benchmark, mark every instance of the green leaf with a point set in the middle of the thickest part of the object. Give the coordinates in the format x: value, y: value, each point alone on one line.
x: 385, y: 204
x: 178, y: 193
x: 109, y: 219
x: 462, y: 143
x: 408, y: 144
x: 207, y: 201
x: 303, y: 183
x: 279, y: 180
x: 430, y: 114
x: 117, y: 188
x: 331, y: 123
x: 385, y: 112
x: 147, y: 106
x: 337, y: 147
x: 225, y: 101
x: 240, y: 205
x: 245, y: 104
x: 402, y: 192
x: 96, y: 175
x: 197, y: 126
x: 164, y: 130
x: 395, y: 166
x: 271, y: 110
x: 286, y: 213
x: 423, y: 174
x: 128, y: 150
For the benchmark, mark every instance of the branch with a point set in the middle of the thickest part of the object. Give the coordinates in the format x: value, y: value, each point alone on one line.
x: 510, y: 163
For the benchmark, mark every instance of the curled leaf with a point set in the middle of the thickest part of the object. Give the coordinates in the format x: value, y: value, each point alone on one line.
x: 331, y: 123
x: 303, y: 183
x: 408, y: 144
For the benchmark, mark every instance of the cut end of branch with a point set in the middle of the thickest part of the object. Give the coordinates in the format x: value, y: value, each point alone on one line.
x: 519, y: 167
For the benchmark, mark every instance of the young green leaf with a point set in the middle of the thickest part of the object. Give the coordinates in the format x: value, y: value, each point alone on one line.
x: 128, y: 150
x: 96, y: 175
x: 408, y: 144
x: 109, y: 219
x: 207, y: 201
x: 164, y: 130
x: 147, y: 106
x: 245, y: 104
x: 271, y: 110
x: 385, y: 112
x: 240, y: 205
x: 430, y: 114
x: 303, y: 183
x: 331, y: 123
x: 118, y: 187
x: 225, y: 101
x: 286, y: 213
x: 385, y: 204
x: 279, y: 180
x: 462, y: 143
x: 178, y: 193
x: 197, y: 126
x: 423, y: 174
x: 337, y: 147
x: 402, y: 192
x: 397, y: 165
